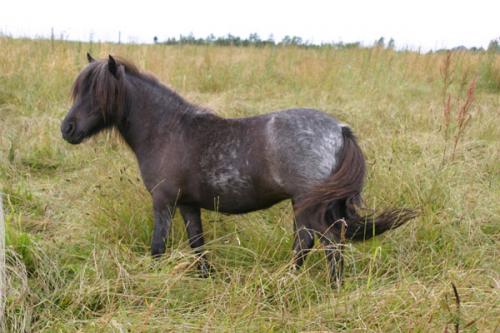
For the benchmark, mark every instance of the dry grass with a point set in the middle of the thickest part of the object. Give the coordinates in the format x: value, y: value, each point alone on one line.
x: 78, y: 219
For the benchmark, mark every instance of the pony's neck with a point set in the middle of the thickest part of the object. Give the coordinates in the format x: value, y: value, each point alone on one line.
x: 152, y: 110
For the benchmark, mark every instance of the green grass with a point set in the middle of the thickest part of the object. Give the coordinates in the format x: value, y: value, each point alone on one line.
x: 78, y: 219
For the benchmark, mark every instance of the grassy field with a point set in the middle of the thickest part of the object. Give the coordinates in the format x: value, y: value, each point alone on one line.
x: 79, y: 221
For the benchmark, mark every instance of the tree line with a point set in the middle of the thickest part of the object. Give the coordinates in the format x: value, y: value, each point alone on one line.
x: 252, y: 40
x: 255, y: 40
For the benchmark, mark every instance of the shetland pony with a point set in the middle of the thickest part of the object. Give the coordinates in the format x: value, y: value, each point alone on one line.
x: 191, y: 158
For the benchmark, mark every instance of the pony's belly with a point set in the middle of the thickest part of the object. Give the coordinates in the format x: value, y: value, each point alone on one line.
x: 234, y: 204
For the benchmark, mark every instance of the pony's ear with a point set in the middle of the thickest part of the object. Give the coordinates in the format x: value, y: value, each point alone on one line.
x: 113, y: 66
x: 89, y: 58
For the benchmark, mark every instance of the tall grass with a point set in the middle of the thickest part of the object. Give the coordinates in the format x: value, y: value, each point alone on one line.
x: 78, y: 220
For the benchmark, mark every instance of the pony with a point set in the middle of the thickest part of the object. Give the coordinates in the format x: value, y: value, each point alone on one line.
x: 190, y: 158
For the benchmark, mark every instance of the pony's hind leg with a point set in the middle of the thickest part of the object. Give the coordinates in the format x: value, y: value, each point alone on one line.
x: 303, y: 239
x: 333, y: 251
x: 306, y: 226
x: 302, y: 245
x: 333, y: 239
x: 330, y: 230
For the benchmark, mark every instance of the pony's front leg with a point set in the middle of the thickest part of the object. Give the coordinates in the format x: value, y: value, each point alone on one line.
x: 163, y: 215
x: 192, y: 219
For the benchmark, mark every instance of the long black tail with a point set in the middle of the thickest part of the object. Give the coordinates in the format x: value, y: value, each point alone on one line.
x: 339, y: 197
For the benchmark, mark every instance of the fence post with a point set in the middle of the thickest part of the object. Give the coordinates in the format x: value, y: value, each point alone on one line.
x: 3, y: 289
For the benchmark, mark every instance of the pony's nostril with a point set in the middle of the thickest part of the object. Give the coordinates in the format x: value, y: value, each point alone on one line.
x: 69, y: 128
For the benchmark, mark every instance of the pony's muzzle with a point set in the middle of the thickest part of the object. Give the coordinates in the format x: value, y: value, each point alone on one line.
x: 68, y: 130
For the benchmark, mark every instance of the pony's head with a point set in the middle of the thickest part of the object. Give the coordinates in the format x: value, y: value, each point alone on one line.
x: 98, y: 98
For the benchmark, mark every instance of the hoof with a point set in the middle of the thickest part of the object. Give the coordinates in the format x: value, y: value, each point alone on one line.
x: 205, y: 269
x: 336, y: 284
x: 157, y: 251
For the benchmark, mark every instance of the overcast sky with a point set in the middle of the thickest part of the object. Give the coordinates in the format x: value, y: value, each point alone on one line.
x: 422, y: 23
